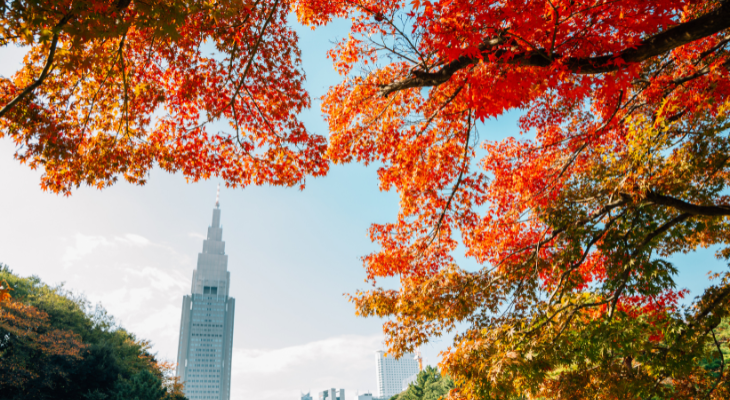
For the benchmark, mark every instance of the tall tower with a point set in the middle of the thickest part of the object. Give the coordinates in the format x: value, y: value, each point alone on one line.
x: 206, y: 326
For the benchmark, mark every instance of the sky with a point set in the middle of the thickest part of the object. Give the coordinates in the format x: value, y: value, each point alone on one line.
x: 292, y: 255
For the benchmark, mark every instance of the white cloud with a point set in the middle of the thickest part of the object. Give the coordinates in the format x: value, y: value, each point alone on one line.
x: 342, y: 350
x: 131, y: 238
x: 160, y: 279
x: 280, y: 374
x: 138, y: 281
x: 197, y: 235
x: 83, y: 245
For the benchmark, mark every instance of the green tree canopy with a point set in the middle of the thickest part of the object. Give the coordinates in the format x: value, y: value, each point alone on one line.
x: 57, y: 345
x: 429, y: 385
x: 143, y: 386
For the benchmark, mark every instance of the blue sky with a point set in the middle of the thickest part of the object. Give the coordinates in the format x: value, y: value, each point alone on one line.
x: 292, y: 254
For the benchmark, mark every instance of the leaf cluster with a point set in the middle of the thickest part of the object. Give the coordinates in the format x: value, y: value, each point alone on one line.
x: 111, y: 89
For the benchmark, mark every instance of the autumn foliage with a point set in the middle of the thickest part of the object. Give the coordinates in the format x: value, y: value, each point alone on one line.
x: 110, y: 89
x: 32, y: 350
x: 623, y: 161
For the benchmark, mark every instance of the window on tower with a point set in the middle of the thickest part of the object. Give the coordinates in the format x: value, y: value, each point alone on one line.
x: 210, y: 290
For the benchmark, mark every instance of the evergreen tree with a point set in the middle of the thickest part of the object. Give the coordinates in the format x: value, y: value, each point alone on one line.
x: 429, y: 385
x: 143, y: 386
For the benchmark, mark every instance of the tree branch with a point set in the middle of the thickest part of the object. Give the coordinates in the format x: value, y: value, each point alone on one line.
x: 677, y: 36
x: 253, y: 54
x: 687, y: 208
x: 42, y: 77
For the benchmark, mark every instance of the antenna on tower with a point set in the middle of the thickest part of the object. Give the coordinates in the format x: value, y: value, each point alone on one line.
x: 217, y: 195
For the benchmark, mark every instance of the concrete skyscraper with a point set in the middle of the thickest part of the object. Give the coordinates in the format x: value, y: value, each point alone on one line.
x: 391, y: 373
x: 206, y: 326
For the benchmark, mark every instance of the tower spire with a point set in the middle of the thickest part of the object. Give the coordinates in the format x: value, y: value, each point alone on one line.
x: 217, y: 195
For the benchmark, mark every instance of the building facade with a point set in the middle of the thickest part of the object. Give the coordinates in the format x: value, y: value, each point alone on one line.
x: 392, y: 372
x: 206, y: 325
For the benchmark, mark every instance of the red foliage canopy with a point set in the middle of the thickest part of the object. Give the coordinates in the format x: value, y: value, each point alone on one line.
x: 624, y: 162
x: 624, y: 159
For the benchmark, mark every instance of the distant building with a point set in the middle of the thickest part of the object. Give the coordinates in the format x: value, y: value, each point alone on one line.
x: 306, y: 396
x: 392, y: 372
x: 365, y: 396
x: 331, y: 394
x: 206, y: 326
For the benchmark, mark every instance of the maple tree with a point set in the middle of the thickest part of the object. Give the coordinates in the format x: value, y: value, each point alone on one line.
x: 624, y: 162
x: 110, y: 89
x: 5, y: 292
x: 175, y: 389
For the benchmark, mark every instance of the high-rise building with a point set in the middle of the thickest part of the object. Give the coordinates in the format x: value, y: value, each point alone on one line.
x: 332, y: 394
x: 392, y: 372
x: 206, y: 326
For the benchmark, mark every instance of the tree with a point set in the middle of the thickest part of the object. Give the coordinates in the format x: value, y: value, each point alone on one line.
x: 55, y: 345
x: 34, y: 357
x: 5, y: 292
x: 624, y: 162
x: 111, y: 88
x: 429, y: 385
x: 143, y: 386
x: 174, y: 388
